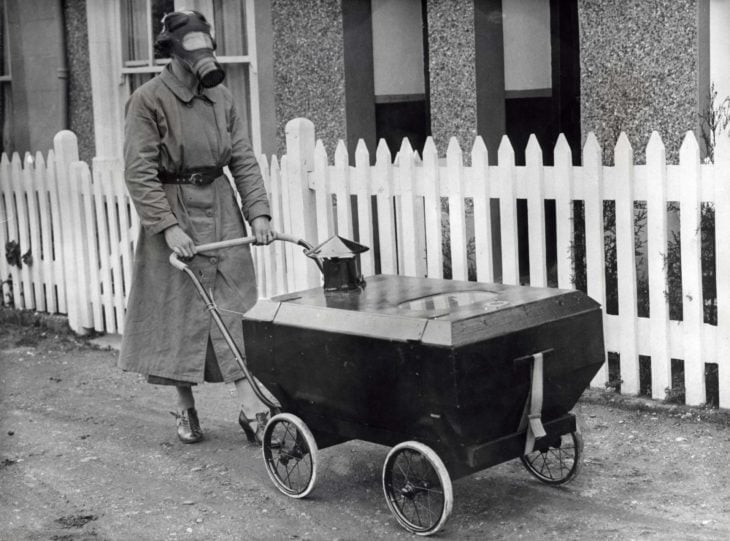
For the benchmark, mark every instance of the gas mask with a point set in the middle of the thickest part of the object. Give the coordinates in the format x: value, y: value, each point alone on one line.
x: 186, y: 34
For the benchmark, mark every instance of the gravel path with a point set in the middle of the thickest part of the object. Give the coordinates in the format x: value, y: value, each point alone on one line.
x: 87, y: 452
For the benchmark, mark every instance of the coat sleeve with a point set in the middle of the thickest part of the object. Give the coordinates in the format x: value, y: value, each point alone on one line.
x: 141, y: 163
x: 246, y: 172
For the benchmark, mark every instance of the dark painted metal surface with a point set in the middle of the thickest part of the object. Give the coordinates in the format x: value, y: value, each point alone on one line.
x: 430, y: 360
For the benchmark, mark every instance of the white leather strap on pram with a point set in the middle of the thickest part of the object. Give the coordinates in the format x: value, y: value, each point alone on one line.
x: 532, y: 414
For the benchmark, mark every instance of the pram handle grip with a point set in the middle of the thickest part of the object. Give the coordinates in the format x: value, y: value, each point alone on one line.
x: 202, y: 248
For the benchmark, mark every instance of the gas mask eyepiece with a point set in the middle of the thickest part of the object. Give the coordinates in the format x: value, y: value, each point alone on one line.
x: 186, y: 34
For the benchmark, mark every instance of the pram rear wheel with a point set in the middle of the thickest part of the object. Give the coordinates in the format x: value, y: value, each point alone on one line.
x: 417, y: 488
x: 556, y: 462
x: 290, y: 455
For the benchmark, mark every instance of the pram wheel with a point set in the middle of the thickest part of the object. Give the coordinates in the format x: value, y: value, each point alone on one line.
x: 557, y: 462
x: 291, y: 461
x: 417, y: 488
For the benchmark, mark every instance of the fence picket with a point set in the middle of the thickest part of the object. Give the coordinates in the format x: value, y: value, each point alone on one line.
x: 279, y: 266
x: 46, y: 261
x: 67, y: 152
x: 626, y: 264
x: 21, y: 208
x: 342, y: 190
x: 691, y: 247
x: 457, y: 215
x: 80, y: 171
x: 656, y: 248
x: 10, y: 222
x: 564, y: 212
x: 322, y: 194
x: 286, y: 202
x: 300, y: 161
x: 536, y: 212
x: 482, y: 211
x: 34, y: 233
x: 508, y: 213
x: 100, y: 189
x: 265, y: 253
x: 23, y: 238
x: 126, y: 245
x: 384, y: 198
x: 432, y: 210
x: 722, y: 265
x: 113, y: 210
x: 595, y: 258
x: 364, y: 206
x: 59, y: 265
x: 258, y: 254
x: 407, y: 232
x: 4, y: 224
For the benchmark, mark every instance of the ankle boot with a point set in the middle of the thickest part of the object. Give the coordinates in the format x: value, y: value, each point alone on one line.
x: 188, y: 426
x: 256, y: 436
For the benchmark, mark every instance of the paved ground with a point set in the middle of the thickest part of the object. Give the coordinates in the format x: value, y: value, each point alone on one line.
x: 87, y: 452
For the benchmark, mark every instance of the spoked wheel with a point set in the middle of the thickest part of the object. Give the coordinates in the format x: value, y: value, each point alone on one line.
x: 290, y: 455
x: 558, y: 462
x: 417, y: 488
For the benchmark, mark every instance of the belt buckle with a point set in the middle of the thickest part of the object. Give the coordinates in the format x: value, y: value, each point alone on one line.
x: 196, y: 179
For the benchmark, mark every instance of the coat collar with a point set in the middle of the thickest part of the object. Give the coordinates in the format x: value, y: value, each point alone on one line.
x: 183, y: 93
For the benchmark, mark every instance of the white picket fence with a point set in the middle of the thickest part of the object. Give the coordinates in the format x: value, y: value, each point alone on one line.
x: 83, y: 268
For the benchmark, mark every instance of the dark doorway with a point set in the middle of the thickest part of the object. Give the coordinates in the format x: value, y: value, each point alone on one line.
x: 551, y: 111
x: 400, y: 62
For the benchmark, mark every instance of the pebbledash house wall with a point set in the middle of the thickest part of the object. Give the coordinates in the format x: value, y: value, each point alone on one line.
x: 452, y: 72
x: 309, y: 68
x: 640, y: 71
x: 80, y: 108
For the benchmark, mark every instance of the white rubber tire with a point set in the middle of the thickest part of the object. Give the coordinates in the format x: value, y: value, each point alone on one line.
x: 443, y: 477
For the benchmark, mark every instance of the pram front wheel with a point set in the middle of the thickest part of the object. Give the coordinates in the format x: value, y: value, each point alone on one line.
x: 557, y: 462
x: 290, y: 455
x: 417, y: 488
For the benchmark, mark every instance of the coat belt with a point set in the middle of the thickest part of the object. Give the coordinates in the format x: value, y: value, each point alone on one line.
x: 200, y: 176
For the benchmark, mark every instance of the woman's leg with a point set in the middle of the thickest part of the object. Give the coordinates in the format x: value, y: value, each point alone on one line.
x: 185, y: 398
x: 188, y: 425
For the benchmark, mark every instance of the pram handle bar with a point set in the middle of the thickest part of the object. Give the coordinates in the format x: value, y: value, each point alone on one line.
x: 211, y: 307
x: 202, y: 248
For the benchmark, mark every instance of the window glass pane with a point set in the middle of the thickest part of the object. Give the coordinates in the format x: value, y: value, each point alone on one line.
x: 230, y: 27
x: 135, y: 31
x: 137, y: 34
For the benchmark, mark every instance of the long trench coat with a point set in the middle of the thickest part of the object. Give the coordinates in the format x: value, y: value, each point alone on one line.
x: 167, y: 326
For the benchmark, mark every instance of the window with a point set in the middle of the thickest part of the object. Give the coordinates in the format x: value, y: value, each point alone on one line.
x: 231, y: 22
x: 6, y: 108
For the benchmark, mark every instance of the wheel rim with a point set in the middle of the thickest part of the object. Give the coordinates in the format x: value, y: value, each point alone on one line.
x: 559, y: 462
x: 291, y: 461
x: 417, y: 488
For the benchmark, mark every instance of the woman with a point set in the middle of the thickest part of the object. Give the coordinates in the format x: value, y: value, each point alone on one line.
x: 181, y: 129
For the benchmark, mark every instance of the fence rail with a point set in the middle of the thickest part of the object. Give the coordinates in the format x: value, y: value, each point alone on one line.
x: 423, y: 216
